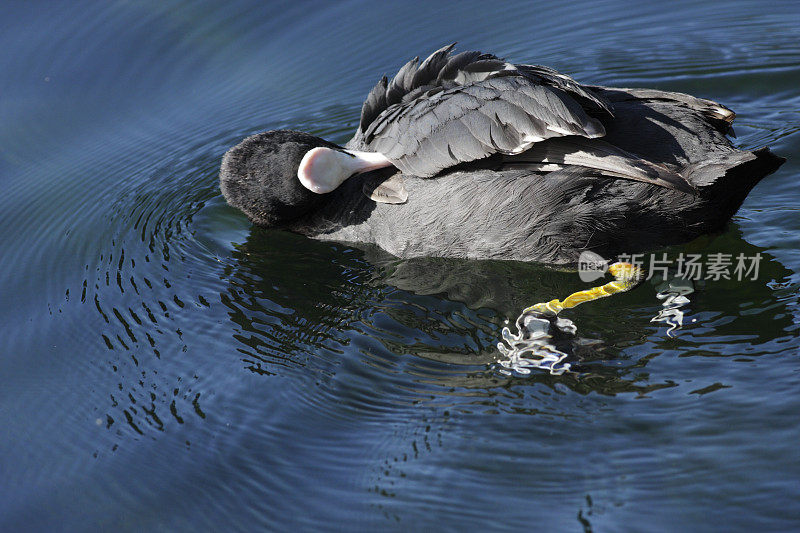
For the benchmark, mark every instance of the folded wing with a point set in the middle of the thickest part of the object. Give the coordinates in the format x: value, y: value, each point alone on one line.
x: 455, y: 109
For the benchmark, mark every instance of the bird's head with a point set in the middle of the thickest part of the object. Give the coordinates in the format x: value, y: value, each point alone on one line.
x: 279, y: 176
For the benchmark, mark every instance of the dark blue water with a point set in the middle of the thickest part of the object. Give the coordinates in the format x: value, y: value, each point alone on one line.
x: 164, y: 364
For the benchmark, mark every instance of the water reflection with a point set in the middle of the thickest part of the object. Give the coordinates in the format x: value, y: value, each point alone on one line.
x: 420, y: 317
x: 673, y: 294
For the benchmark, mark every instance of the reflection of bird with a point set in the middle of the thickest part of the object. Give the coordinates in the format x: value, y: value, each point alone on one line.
x: 467, y: 155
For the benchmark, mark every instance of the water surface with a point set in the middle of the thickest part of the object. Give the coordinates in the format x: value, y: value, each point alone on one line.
x: 165, y: 364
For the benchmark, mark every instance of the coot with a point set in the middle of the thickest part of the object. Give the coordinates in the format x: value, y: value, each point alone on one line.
x: 467, y: 155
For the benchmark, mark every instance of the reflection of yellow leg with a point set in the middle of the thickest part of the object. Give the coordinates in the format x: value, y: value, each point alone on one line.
x: 627, y: 277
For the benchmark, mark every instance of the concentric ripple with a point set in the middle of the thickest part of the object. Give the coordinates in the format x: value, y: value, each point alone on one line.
x: 168, y: 366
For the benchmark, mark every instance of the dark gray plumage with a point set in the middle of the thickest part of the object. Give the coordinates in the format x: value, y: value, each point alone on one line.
x: 458, y: 117
x: 253, y: 187
x: 456, y: 109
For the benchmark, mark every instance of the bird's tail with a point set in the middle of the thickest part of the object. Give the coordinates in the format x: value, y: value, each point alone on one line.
x: 725, y: 180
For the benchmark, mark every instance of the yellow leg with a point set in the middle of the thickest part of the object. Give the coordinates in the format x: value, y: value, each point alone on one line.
x: 627, y: 277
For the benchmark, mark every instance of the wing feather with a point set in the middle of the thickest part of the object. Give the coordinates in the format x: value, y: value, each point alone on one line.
x: 453, y: 109
x: 401, y: 83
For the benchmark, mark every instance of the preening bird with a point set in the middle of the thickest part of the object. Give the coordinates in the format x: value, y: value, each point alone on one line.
x: 468, y: 155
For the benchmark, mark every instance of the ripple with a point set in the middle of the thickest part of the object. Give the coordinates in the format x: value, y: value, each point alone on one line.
x: 149, y: 329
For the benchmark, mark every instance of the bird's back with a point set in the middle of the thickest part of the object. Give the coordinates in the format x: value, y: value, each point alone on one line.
x: 495, y: 210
